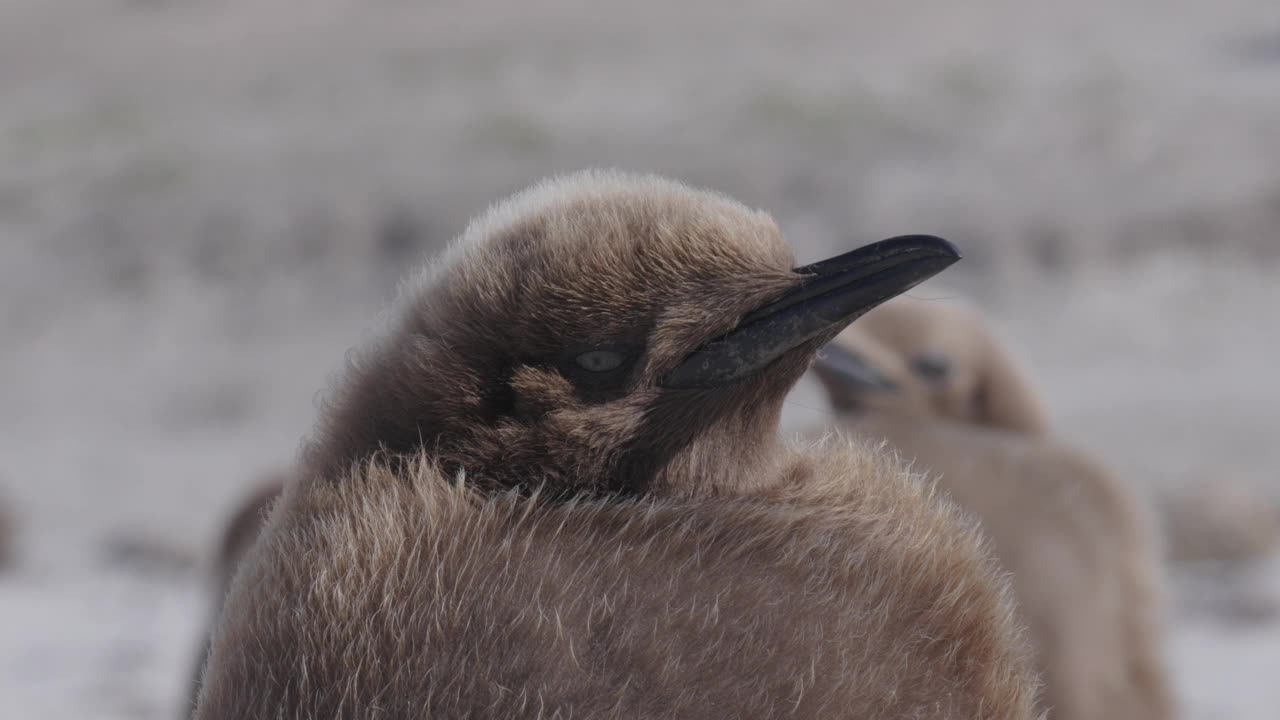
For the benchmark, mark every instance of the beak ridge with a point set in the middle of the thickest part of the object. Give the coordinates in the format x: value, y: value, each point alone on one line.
x: 831, y: 294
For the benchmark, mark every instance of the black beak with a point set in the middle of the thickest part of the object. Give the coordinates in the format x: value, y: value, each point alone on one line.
x: 832, y: 294
x: 851, y: 370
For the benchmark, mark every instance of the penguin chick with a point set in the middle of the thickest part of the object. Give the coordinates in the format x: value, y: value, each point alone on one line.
x: 968, y: 372
x: 1081, y: 549
x: 244, y: 526
x: 238, y: 536
x: 557, y: 491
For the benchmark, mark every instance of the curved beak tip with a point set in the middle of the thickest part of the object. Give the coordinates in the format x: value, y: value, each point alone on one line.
x: 945, y: 250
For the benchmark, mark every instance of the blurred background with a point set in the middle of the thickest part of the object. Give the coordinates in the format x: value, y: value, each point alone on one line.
x: 204, y: 204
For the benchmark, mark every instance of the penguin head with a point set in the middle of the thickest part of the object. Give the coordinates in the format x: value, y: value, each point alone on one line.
x: 860, y: 373
x: 608, y: 334
x: 956, y: 360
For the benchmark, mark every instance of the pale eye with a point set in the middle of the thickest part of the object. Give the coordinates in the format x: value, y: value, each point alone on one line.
x: 600, y: 360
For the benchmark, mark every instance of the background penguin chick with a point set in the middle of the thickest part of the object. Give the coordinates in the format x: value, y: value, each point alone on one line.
x: 1222, y: 521
x: 244, y: 525
x: 855, y: 595
x: 484, y: 526
x: 1085, y: 565
x: 968, y: 372
x: 238, y: 536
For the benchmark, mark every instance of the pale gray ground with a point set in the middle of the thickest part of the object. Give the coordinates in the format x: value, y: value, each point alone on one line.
x: 203, y: 204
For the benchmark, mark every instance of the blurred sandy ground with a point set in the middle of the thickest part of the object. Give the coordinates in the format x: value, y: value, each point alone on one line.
x: 203, y: 205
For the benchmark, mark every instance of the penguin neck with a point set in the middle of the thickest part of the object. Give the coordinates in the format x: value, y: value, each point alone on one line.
x: 723, y: 462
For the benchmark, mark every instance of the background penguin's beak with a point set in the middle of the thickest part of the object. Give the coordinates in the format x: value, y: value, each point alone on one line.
x: 852, y: 370
x: 832, y: 294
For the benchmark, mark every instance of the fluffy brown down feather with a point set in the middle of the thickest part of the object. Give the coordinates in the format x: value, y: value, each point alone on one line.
x: 405, y: 595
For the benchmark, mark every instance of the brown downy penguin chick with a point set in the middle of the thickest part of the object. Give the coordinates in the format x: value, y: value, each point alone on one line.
x: 967, y: 371
x: 1081, y: 551
x: 241, y: 531
x: 1219, y: 522
x: 244, y: 526
x: 557, y: 491
x: 1225, y: 522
